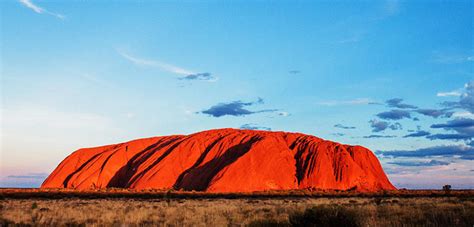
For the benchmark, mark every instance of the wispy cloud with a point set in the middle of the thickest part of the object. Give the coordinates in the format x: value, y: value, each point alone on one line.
x: 186, y: 74
x: 200, y: 76
x: 464, y: 152
x: 457, y: 124
x: 338, y: 134
x: 414, y: 163
x: 449, y: 93
x: 40, y: 10
x: 435, y: 112
x: 32, y: 6
x: 254, y: 127
x: 463, y: 114
x: 30, y: 176
x: 464, y: 128
x: 452, y: 136
x: 466, y: 100
x: 394, y: 115
x: 341, y: 126
x: 153, y: 63
x: 378, y: 136
x: 23, y: 180
x: 235, y: 108
x: 418, y: 134
x: 358, y: 101
x: 398, y: 103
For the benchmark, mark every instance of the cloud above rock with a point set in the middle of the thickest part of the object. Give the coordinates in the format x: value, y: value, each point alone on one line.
x: 394, y: 115
x: 199, y: 76
x: 254, y: 127
x: 398, y: 103
x: 417, y: 134
x: 235, y: 108
x: 415, y: 163
x: 462, y: 151
x: 341, y: 126
x: 466, y: 99
x: 379, y: 126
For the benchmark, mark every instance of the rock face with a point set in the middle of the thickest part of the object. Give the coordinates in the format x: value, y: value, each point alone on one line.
x: 223, y: 160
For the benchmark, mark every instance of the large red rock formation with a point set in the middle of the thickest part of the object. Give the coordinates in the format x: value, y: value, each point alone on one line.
x: 223, y: 160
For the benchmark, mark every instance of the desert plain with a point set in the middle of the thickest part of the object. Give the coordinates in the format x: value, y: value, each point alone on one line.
x: 122, y: 207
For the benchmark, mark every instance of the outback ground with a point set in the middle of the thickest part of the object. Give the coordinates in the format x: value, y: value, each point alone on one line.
x: 118, y: 207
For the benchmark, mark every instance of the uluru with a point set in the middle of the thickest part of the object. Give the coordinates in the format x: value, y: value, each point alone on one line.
x: 223, y: 160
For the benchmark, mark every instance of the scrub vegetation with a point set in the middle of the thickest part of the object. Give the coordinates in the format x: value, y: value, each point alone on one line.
x: 169, y: 209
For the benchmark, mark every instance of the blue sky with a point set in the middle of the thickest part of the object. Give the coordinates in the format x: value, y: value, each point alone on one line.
x: 394, y: 76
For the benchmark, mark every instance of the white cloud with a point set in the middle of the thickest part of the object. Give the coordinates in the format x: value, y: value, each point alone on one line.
x: 463, y: 114
x: 152, y: 63
x: 449, y: 93
x: 38, y: 9
x: 32, y: 6
x: 358, y: 101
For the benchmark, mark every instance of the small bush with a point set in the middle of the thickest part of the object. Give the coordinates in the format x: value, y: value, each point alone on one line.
x: 326, y: 215
x: 378, y: 201
x: 34, y: 206
x: 447, y: 188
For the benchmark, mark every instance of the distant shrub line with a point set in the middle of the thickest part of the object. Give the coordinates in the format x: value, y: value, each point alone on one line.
x: 172, y: 194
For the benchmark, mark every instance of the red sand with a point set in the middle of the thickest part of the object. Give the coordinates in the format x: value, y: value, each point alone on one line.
x: 223, y: 160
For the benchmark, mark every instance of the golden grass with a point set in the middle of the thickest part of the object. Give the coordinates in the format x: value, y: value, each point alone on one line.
x: 385, y: 211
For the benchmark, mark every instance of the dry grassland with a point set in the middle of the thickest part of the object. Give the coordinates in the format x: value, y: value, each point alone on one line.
x: 296, y: 211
